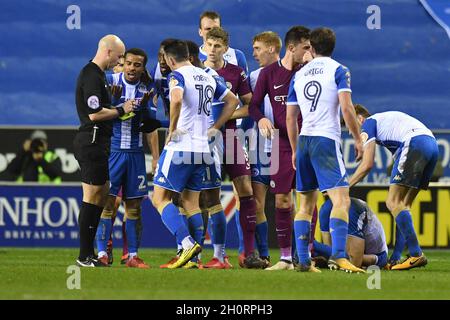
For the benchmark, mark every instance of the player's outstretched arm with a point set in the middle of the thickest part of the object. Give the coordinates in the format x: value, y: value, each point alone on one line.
x: 292, y: 129
x: 366, y: 164
x: 349, y: 114
x: 242, y: 112
x: 231, y: 103
x: 108, y: 114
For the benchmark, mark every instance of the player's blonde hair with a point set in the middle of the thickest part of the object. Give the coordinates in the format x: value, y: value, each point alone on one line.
x: 270, y: 39
x: 218, y: 33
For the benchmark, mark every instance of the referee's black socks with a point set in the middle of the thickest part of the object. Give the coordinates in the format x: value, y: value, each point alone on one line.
x: 88, y: 221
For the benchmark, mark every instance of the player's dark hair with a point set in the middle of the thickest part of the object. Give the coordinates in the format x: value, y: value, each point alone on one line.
x: 193, y: 53
x: 166, y: 41
x: 361, y: 110
x: 296, y: 34
x: 218, y: 33
x: 137, y: 52
x: 177, y: 50
x: 192, y: 48
x: 323, y: 41
x: 213, y: 15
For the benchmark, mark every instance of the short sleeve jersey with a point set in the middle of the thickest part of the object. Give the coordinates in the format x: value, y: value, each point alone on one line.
x: 93, y: 94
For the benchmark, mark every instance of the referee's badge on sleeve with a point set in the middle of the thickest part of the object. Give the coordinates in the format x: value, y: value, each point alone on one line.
x: 93, y: 102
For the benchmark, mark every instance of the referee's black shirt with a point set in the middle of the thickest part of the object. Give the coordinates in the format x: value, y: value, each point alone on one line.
x: 93, y: 94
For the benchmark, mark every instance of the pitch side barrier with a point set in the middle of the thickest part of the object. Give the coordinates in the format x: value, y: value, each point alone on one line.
x: 38, y: 215
x: 60, y: 139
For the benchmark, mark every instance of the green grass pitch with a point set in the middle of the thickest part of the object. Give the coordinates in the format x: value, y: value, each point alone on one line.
x: 37, y: 273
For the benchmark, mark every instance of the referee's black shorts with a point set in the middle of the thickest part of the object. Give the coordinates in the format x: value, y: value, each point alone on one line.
x: 92, y: 158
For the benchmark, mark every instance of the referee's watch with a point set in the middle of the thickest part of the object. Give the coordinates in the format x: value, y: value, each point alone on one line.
x: 120, y: 111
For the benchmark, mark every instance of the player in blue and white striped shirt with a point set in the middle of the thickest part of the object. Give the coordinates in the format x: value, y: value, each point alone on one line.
x: 127, y: 160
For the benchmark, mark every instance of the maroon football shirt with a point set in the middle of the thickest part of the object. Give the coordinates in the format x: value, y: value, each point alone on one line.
x: 274, y: 80
x: 236, y: 80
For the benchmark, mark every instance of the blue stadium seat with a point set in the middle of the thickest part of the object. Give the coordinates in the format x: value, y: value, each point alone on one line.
x: 403, y: 66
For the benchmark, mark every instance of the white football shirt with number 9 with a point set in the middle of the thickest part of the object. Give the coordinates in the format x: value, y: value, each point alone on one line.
x: 314, y: 88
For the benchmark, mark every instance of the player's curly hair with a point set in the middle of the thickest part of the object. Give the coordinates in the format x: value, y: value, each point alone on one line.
x: 218, y: 33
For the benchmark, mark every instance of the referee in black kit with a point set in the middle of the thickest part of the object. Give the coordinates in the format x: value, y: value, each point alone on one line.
x: 92, y: 142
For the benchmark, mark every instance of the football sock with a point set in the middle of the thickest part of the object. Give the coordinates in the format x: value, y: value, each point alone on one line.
x: 262, y: 230
x: 171, y: 218
x: 338, y: 230
x: 218, y: 224
x: 125, y: 239
x: 405, y: 224
x: 283, y: 227
x: 399, y: 245
x: 88, y: 220
x: 103, y: 233
x: 321, y: 249
x: 195, y: 223
x: 239, y: 231
x: 302, y: 227
x: 247, y: 219
x: 219, y: 250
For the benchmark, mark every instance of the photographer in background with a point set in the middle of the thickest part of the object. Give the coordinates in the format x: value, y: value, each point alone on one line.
x: 34, y: 162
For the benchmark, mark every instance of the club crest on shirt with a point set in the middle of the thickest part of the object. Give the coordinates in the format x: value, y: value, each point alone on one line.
x: 364, y: 137
x: 173, y: 82
x: 142, y: 88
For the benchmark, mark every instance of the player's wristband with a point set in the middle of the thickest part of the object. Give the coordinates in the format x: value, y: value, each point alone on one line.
x: 120, y: 110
